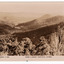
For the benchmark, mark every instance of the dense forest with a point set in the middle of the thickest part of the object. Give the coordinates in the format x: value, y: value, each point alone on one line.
x: 45, y: 43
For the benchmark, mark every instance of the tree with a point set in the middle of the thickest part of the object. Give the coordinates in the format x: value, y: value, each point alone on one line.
x: 43, y: 48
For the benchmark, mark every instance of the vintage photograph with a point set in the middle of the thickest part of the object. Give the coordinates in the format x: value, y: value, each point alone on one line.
x: 32, y: 28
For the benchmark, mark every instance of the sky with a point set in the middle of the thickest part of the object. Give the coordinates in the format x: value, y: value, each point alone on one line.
x: 33, y: 9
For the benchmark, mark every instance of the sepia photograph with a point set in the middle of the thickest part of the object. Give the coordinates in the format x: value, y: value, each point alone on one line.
x: 31, y: 29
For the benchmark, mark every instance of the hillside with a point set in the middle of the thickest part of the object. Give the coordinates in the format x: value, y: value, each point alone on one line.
x: 36, y: 34
x: 40, y: 22
x: 6, y: 27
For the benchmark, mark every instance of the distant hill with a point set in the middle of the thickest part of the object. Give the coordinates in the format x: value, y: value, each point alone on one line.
x: 40, y: 22
x: 15, y: 17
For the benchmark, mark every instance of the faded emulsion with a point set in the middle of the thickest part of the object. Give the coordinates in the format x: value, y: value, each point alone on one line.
x: 31, y: 29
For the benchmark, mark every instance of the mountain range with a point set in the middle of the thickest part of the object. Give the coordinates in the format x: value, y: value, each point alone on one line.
x: 36, y: 24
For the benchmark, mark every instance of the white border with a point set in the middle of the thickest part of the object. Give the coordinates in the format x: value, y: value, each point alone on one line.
x: 29, y: 0
x: 30, y: 62
x: 33, y: 62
